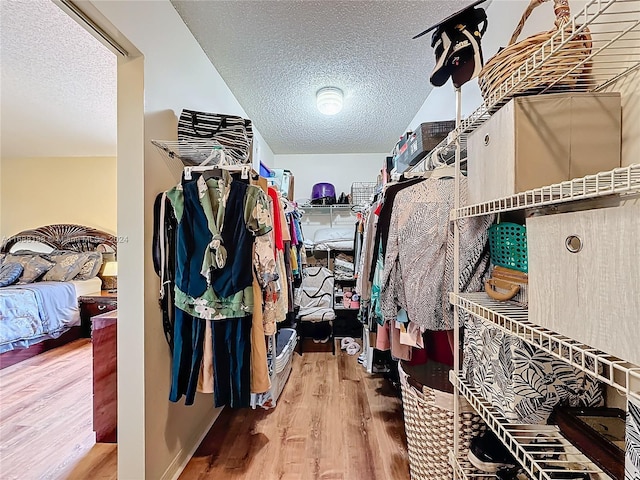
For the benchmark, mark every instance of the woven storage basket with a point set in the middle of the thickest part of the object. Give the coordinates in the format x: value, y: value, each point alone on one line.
x: 428, y: 422
x: 566, y: 69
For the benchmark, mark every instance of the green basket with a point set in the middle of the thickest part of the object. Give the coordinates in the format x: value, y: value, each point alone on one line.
x: 508, y: 246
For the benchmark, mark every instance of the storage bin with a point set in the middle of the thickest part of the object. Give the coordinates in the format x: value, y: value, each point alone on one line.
x: 584, y: 271
x: 522, y: 382
x: 417, y: 144
x: 286, y: 340
x: 428, y: 421
x: 536, y: 141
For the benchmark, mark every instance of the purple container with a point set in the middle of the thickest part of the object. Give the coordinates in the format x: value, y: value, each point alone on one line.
x: 323, y: 193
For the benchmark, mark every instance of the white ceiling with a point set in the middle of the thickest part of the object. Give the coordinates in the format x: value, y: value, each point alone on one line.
x: 58, y: 85
x: 274, y: 56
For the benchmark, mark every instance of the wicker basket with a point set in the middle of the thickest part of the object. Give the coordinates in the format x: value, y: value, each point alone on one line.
x: 566, y: 69
x: 428, y: 422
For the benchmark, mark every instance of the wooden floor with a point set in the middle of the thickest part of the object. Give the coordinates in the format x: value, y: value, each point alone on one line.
x: 333, y: 421
x: 46, y: 415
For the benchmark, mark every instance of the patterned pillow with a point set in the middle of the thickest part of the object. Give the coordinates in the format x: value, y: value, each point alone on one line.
x: 91, y: 266
x: 9, y: 273
x: 67, y: 265
x: 34, y: 265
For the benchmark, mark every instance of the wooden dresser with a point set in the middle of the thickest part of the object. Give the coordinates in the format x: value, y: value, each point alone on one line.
x: 95, y: 304
x: 104, y: 328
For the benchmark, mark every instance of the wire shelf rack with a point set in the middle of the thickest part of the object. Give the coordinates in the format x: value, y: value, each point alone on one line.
x: 614, y: 27
x: 513, y: 319
x: 625, y: 180
x: 540, y: 449
x: 465, y: 471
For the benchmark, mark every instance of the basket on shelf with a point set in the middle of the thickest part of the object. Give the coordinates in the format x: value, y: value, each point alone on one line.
x: 362, y: 192
x: 428, y: 422
x: 569, y: 67
x: 508, y: 245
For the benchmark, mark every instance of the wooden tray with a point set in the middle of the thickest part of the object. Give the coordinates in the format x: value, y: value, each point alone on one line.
x: 598, y: 432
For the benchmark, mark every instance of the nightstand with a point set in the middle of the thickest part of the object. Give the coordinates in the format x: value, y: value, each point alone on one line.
x: 95, y: 304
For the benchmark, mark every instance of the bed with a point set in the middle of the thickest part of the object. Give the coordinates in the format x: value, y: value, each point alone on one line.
x: 43, y: 313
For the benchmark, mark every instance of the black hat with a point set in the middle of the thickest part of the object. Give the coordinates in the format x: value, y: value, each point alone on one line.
x: 456, y: 41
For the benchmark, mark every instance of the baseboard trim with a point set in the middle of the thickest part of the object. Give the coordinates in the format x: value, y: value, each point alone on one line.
x: 175, y: 468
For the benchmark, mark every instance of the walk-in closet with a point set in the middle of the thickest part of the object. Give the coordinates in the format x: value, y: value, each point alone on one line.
x: 388, y: 240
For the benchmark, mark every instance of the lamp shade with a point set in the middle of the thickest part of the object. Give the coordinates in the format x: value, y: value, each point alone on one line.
x: 329, y: 100
x: 110, y: 269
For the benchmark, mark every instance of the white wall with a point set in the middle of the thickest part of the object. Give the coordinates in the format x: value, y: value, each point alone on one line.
x: 156, y: 437
x: 340, y: 169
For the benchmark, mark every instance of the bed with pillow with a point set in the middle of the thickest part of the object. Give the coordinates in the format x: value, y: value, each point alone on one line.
x: 42, y: 274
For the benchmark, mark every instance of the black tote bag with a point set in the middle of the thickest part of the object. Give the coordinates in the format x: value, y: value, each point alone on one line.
x: 234, y: 133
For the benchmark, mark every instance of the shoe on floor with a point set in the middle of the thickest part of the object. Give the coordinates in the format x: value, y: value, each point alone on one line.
x: 488, y: 453
x: 344, y: 343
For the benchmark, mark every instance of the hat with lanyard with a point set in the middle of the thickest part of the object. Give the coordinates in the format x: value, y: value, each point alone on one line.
x: 456, y: 42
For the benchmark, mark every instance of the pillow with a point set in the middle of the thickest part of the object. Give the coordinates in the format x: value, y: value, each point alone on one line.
x: 333, y: 234
x: 67, y: 265
x: 32, y: 246
x: 9, y: 273
x: 34, y: 266
x: 91, y: 266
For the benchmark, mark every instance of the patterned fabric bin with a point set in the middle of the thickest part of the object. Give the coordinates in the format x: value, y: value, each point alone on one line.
x: 522, y: 382
x: 428, y: 422
x: 632, y: 452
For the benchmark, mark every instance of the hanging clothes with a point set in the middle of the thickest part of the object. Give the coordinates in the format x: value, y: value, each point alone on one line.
x: 419, y: 262
x: 384, y: 219
x: 218, y: 246
x: 206, y: 257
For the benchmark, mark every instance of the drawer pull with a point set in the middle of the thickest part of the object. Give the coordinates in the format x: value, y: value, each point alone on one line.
x: 487, y: 139
x: 573, y: 243
x: 101, y: 307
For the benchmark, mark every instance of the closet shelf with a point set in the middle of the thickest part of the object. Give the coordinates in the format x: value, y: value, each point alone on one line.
x: 513, y: 319
x: 464, y: 470
x: 530, y: 444
x: 614, y: 26
x: 625, y: 180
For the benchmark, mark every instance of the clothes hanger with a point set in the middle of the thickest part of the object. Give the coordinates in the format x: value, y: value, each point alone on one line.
x: 441, y: 169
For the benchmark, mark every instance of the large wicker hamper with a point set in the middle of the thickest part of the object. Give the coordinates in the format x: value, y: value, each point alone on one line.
x: 428, y: 421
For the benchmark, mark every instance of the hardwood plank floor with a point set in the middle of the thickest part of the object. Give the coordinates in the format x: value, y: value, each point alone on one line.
x: 332, y: 422
x: 46, y: 416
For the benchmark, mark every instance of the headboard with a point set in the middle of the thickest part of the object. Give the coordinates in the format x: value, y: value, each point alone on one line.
x: 64, y: 236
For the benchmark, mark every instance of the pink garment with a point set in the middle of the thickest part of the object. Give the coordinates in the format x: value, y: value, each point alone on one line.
x: 388, y: 337
x: 398, y: 350
x: 382, y: 337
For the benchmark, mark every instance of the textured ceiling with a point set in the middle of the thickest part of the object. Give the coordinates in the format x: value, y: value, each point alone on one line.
x: 58, y: 95
x: 274, y: 56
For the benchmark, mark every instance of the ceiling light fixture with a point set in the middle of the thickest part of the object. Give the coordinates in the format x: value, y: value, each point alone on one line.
x: 329, y: 100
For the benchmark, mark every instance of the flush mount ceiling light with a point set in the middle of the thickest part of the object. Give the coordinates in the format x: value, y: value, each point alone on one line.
x: 329, y: 100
